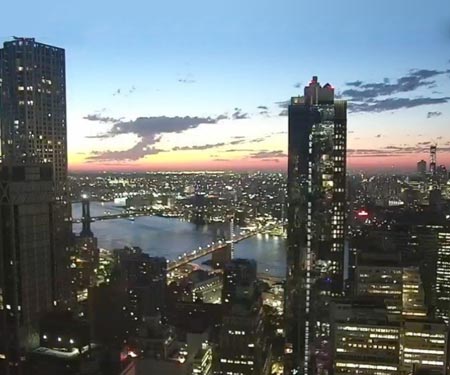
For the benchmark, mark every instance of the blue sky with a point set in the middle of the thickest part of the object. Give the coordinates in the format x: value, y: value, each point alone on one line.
x: 206, y: 59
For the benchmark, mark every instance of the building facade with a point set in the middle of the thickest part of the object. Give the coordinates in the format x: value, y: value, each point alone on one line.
x: 26, y: 284
x: 34, y: 129
x: 316, y: 219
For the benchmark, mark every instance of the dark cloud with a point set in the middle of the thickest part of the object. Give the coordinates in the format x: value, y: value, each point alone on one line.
x: 239, y: 115
x: 354, y: 83
x: 222, y: 117
x: 413, y: 80
x: 117, y: 92
x: 240, y: 150
x: 238, y: 137
x: 100, y: 118
x: 221, y: 159
x: 391, y: 104
x: 239, y: 141
x: 434, y: 114
x: 271, y: 160
x: 284, y: 112
x: 298, y: 85
x: 149, y: 130
x: 199, y: 147
x: 98, y: 136
x: 394, y: 151
x: 263, y: 107
x: 284, y: 104
x: 265, y: 154
x: 365, y: 97
x: 135, y: 153
x: 378, y: 136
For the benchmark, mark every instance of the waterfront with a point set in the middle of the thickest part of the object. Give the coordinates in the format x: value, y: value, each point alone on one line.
x: 171, y: 237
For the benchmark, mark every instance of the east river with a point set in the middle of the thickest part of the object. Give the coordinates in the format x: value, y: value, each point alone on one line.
x: 170, y: 237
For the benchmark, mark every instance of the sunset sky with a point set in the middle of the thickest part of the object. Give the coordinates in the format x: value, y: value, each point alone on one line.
x: 193, y: 85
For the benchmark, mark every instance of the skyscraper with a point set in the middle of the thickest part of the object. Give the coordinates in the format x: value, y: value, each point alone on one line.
x: 316, y: 219
x: 33, y: 130
x: 422, y: 167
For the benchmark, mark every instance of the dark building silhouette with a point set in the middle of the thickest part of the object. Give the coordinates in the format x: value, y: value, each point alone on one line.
x: 145, y: 279
x: 242, y: 345
x: 85, y: 254
x: 34, y: 129
x: 239, y: 281
x: 422, y: 167
x: 26, y: 254
x: 316, y: 219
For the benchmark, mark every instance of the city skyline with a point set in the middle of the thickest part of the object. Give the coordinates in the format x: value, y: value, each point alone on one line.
x: 135, y: 105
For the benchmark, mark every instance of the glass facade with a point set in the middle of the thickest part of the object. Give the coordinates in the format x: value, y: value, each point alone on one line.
x: 316, y: 219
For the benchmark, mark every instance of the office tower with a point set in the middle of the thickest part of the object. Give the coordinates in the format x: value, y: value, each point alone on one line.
x: 422, y: 167
x: 202, y: 363
x: 242, y: 346
x: 363, y: 340
x: 442, y: 281
x: 316, y: 219
x: 424, y: 345
x: 433, y: 159
x: 26, y: 287
x: 33, y: 128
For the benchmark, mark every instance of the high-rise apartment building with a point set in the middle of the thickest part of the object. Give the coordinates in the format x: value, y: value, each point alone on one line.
x: 316, y: 219
x: 33, y: 130
x: 26, y: 288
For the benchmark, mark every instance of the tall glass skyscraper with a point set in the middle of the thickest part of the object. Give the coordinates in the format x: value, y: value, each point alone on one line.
x: 33, y: 130
x: 316, y: 222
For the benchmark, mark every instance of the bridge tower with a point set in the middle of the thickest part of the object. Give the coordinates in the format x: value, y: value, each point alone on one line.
x: 86, y: 217
x: 232, y: 237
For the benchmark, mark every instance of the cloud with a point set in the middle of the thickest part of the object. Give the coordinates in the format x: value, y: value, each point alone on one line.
x: 222, y: 117
x: 415, y: 79
x: 354, y: 83
x: 240, y: 150
x: 392, y: 104
x: 199, y: 147
x: 117, y: 92
x: 271, y: 160
x: 380, y: 96
x: 97, y: 136
x: 298, y: 85
x: 186, y: 80
x: 99, y: 118
x: 263, y: 107
x: 149, y: 130
x: 238, y: 141
x: 265, y: 154
x: 239, y: 115
x: 378, y: 136
x: 283, y: 104
x: 284, y: 112
x: 135, y: 153
x: 219, y: 159
x: 394, y: 151
x: 434, y: 114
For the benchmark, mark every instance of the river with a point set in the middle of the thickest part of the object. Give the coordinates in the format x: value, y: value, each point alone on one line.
x: 170, y: 237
